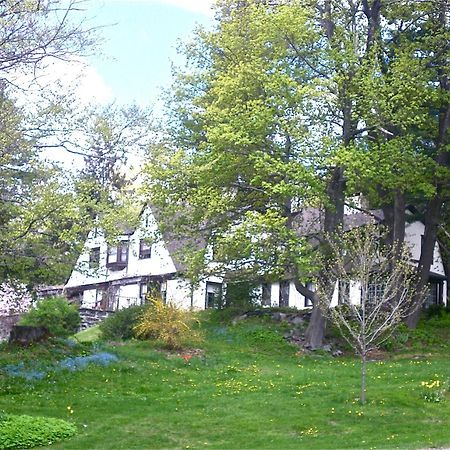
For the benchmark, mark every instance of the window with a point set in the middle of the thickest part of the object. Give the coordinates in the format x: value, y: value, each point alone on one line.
x: 343, y: 292
x: 145, y: 250
x: 435, y: 293
x: 213, y: 295
x: 283, y: 295
x: 94, y: 258
x: 117, y: 256
x: 143, y: 289
x: 375, y: 292
x: 101, y: 299
x: 153, y: 288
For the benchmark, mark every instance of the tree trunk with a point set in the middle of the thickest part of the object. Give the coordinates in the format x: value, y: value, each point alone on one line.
x: 432, y: 216
x: 266, y: 295
x: 395, y: 219
x: 315, y: 333
x: 333, y: 221
x: 363, y: 378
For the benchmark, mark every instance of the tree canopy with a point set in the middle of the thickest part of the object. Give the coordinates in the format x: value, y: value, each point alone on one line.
x: 286, y: 106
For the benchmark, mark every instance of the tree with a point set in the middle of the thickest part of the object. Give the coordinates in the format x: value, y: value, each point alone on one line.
x: 285, y: 106
x: 385, y: 280
x: 33, y: 32
x: 112, y: 134
x: 45, y: 212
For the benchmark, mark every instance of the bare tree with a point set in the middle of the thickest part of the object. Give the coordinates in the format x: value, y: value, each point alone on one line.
x: 33, y: 32
x: 376, y: 290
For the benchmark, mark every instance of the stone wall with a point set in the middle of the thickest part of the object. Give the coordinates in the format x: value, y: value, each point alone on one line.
x: 91, y: 317
x: 6, y: 325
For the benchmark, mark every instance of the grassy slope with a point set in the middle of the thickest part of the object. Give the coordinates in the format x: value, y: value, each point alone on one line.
x: 248, y: 390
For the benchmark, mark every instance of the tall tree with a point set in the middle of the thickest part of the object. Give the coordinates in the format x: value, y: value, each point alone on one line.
x: 44, y: 220
x: 286, y: 106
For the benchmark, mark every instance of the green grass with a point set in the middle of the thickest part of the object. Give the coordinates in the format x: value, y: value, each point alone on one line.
x: 247, y: 389
x: 89, y: 335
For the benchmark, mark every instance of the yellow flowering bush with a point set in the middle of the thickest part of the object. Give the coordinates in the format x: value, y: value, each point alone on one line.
x: 166, y: 323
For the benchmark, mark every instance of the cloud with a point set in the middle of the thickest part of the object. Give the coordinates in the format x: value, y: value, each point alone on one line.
x: 76, y: 76
x: 87, y: 83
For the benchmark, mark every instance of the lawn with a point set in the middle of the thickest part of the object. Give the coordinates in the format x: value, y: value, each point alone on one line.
x: 246, y: 388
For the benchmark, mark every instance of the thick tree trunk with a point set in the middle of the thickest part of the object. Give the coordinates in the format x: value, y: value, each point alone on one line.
x: 432, y: 217
x: 315, y: 332
x: 266, y: 295
x: 395, y: 218
x: 333, y: 221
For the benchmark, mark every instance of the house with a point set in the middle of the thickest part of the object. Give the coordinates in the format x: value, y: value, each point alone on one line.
x: 110, y: 277
x: 284, y: 292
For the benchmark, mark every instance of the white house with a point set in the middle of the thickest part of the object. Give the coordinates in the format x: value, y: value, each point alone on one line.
x: 116, y: 276
x: 413, y: 238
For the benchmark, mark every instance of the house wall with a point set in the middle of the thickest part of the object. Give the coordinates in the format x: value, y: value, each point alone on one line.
x: 413, y: 237
x: 160, y: 262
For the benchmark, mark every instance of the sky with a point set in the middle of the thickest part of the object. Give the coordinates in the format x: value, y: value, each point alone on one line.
x: 140, y: 39
x: 132, y: 62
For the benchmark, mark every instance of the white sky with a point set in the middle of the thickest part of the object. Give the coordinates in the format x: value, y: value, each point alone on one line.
x: 199, y: 6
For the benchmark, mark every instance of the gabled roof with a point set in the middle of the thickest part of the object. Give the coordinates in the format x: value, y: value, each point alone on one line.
x: 310, y: 220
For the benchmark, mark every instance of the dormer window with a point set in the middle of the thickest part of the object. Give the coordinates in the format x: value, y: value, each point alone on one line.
x: 145, y: 250
x: 94, y: 258
x: 117, y: 256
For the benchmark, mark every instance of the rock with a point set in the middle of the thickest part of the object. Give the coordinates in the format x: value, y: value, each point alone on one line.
x: 327, y: 348
x: 297, y: 320
x: 24, y: 335
x: 239, y: 319
x: 337, y: 353
x: 279, y: 317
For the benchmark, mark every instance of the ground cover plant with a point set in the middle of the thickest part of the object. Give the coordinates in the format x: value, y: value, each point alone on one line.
x: 28, y: 431
x: 244, y: 387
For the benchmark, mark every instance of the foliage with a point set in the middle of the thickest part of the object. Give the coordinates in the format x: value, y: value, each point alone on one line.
x: 14, y: 299
x: 120, y: 325
x: 54, y: 313
x: 286, y: 106
x: 168, y: 324
x: 28, y: 431
x: 241, y: 295
x: 437, y: 311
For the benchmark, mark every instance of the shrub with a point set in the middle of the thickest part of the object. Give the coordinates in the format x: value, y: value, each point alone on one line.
x: 166, y: 323
x: 28, y: 431
x: 55, y: 314
x: 120, y: 324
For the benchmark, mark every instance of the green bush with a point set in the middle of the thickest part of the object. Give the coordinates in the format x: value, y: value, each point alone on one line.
x: 28, y: 431
x: 120, y: 324
x: 54, y: 313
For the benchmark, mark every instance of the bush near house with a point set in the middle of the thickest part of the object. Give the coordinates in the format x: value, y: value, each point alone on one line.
x: 54, y: 313
x: 120, y: 325
x: 171, y: 326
